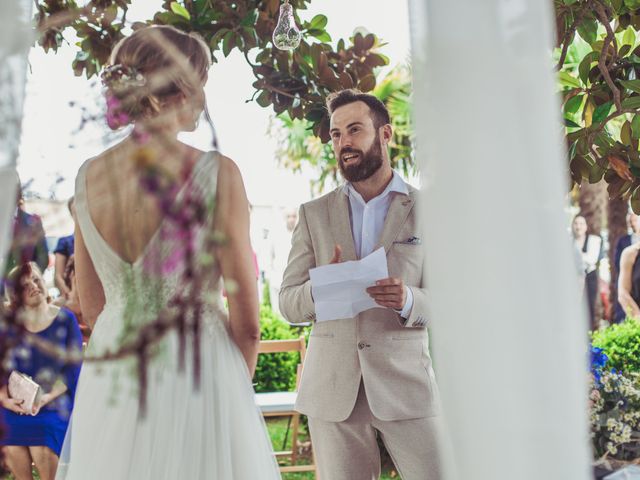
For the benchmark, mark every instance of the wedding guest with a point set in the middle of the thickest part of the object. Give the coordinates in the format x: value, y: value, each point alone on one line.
x: 591, y: 248
x: 63, y: 252
x: 629, y: 281
x: 369, y: 376
x: 632, y: 236
x: 36, y: 436
x: 72, y: 301
x: 28, y: 242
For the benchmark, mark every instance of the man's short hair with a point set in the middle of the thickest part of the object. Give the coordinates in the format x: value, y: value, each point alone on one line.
x: 379, y: 112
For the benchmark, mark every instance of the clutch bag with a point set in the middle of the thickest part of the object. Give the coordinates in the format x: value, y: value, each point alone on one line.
x: 22, y: 387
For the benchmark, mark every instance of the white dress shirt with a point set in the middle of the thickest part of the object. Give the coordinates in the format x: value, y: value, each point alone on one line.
x: 367, y: 222
x: 591, y: 257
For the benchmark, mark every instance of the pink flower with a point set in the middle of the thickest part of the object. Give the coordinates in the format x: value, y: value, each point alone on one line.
x: 116, y: 118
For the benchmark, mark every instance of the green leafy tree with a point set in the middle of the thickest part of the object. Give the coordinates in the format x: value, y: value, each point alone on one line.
x: 294, y: 82
x: 599, y: 61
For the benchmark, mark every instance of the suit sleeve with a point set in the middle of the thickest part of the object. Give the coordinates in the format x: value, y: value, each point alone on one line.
x: 420, y: 315
x: 295, y: 300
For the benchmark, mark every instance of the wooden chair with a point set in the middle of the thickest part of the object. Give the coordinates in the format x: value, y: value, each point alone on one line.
x: 281, y: 404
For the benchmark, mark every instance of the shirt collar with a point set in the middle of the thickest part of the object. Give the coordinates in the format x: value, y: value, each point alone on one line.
x: 397, y: 184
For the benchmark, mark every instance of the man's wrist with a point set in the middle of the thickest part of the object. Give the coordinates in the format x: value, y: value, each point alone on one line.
x: 405, y: 311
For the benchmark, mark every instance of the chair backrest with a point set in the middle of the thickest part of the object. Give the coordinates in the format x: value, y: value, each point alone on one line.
x: 280, y: 346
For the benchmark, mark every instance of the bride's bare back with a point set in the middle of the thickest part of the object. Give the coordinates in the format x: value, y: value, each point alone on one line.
x: 126, y: 214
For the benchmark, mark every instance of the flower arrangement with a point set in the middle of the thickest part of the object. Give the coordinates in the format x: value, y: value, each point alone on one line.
x: 614, y: 404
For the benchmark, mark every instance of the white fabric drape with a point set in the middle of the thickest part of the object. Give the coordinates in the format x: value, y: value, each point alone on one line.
x: 509, y: 335
x: 15, y: 40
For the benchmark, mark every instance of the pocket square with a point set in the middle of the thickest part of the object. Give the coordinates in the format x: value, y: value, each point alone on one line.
x: 410, y: 241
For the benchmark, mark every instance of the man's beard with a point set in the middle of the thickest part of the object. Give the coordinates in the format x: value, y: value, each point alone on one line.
x: 370, y: 162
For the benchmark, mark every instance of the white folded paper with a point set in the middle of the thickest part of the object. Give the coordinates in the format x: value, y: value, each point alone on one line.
x: 339, y: 289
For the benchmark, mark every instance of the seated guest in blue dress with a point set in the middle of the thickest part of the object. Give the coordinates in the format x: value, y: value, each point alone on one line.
x: 63, y: 252
x: 36, y: 436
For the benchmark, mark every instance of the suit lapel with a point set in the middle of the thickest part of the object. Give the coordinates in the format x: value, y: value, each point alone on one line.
x: 398, y: 212
x: 340, y: 224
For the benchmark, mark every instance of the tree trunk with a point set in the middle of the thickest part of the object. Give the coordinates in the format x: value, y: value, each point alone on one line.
x: 617, y: 227
x: 593, y: 200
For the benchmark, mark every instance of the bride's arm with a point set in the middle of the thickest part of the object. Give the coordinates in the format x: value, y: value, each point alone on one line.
x: 90, y: 292
x: 235, y: 258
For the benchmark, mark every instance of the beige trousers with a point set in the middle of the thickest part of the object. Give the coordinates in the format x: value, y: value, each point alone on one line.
x: 349, y: 451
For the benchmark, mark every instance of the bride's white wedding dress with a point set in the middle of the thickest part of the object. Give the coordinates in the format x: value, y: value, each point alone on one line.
x: 213, y: 432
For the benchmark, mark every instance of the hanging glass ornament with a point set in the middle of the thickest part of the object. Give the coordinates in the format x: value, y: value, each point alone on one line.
x: 286, y: 36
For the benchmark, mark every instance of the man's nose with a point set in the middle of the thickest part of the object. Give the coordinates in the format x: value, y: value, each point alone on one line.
x: 345, y: 141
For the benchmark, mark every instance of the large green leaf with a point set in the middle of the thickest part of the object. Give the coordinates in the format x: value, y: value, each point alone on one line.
x: 631, y: 102
x: 625, y: 133
x: 318, y: 22
x: 321, y: 35
x: 596, y: 173
x: 570, y: 123
x: 632, y: 4
x: 180, y: 10
x: 635, y: 126
x: 588, y: 30
x: 228, y: 42
x: 250, y: 19
x: 629, y: 37
x: 631, y: 85
x: 573, y: 104
x: 585, y: 66
x: 568, y: 80
x: 601, y: 112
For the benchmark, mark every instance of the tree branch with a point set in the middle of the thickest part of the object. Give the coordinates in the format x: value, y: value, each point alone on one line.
x: 566, y: 40
x: 610, y: 39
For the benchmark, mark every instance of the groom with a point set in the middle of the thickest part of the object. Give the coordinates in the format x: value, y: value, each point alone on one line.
x: 368, y: 375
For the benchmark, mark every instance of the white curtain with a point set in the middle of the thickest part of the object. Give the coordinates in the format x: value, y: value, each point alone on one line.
x: 16, y: 36
x: 509, y: 335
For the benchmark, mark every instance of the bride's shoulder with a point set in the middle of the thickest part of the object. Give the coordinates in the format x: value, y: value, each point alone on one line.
x: 227, y: 170
x: 95, y: 164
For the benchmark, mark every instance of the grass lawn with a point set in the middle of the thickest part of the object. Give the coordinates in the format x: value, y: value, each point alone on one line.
x: 277, y: 430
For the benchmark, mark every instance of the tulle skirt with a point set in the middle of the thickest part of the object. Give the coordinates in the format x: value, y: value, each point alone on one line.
x: 214, y: 432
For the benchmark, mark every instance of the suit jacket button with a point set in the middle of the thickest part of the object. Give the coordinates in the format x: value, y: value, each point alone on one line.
x: 361, y: 345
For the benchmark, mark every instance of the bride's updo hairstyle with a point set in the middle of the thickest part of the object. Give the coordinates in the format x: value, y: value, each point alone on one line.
x: 151, y: 67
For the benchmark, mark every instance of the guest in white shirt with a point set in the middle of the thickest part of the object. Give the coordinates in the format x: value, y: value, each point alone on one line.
x: 590, y: 247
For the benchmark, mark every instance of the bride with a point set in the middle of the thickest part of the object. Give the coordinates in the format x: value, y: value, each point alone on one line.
x: 144, y: 266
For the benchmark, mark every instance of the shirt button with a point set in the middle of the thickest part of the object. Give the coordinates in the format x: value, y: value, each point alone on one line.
x: 361, y: 345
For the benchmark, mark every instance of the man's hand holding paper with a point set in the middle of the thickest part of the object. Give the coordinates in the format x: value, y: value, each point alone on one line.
x: 340, y: 289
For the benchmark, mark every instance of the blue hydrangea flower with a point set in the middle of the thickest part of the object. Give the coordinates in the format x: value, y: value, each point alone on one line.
x: 598, y: 362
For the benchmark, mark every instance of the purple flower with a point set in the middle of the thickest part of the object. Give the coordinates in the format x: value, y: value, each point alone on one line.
x: 116, y: 118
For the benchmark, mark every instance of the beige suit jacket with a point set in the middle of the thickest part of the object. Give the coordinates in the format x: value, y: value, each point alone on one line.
x: 390, y: 355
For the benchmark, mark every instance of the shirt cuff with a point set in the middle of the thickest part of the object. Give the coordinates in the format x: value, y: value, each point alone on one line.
x: 408, y: 304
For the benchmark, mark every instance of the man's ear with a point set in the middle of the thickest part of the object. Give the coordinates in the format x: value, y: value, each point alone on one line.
x: 387, y: 133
